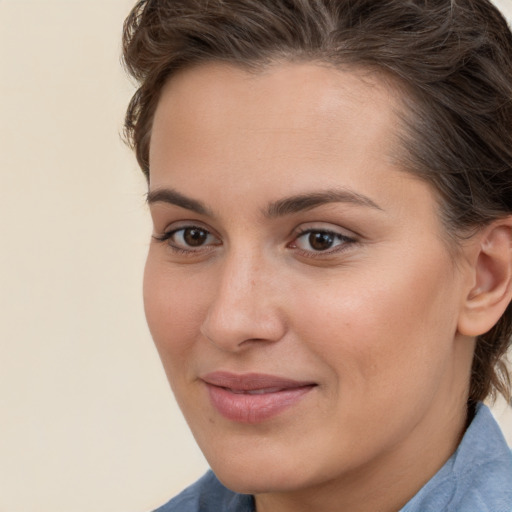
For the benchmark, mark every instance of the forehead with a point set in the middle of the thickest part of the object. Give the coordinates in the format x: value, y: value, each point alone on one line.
x: 288, y: 129
x: 280, y: 80
x: 306, y: 103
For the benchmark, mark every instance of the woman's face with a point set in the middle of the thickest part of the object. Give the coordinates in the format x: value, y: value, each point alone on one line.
x: 298, y: 288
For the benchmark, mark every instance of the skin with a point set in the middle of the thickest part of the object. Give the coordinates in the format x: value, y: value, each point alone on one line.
x: 373, y: 320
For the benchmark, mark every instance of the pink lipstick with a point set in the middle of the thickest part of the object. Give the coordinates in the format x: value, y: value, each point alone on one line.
x: 253, y: 397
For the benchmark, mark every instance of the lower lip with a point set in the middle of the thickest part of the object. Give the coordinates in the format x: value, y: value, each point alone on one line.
x: 246, y: 408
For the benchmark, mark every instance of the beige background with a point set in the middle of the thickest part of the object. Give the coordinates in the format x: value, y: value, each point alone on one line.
x: 87, y: 423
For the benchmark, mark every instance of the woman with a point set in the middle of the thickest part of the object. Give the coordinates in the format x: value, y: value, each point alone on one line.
x: 329, y: 278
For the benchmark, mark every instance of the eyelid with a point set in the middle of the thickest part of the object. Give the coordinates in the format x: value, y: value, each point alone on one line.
x: 167, y: 235
x: 346, y: 240
x: 327, y: 227
x: 173, y: 227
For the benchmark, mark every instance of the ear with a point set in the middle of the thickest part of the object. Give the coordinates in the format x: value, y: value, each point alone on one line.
x: 491, y: 275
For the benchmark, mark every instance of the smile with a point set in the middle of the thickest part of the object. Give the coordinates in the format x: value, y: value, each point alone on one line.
x: 253, y: 398
x: 255, y: 391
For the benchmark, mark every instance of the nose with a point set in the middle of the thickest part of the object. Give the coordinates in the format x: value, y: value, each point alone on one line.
x: 245, y: 307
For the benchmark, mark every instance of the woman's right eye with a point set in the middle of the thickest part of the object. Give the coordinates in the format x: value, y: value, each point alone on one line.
x: 189, y: 239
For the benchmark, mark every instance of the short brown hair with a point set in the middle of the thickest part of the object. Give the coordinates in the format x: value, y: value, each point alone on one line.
x: 453, y: 57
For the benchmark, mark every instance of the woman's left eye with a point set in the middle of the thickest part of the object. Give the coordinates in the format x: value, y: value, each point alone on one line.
x: 320, y: 241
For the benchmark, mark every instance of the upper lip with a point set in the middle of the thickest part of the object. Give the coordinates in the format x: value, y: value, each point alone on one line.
x: 252, y: 381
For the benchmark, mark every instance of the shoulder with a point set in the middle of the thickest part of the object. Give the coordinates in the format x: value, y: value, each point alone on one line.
x: 477, y: 478
x: 483, y: 467
x: 208, y: 495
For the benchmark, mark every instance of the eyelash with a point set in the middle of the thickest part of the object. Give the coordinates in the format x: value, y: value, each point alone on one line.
x: 166, y: 238
x: 344, y: 240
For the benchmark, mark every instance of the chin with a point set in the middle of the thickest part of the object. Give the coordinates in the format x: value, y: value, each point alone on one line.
x: 250, y: 480
x: 263, y: 471
x: 248, y: 483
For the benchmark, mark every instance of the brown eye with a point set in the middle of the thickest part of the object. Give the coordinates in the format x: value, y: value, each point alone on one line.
x: 190, y: 239
x: 317, y: 241
x: 195, y: 237
x: 321, y: 240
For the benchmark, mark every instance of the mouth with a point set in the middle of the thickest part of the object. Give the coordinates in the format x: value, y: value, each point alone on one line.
x: 255, y: 391
x: 253, y: 398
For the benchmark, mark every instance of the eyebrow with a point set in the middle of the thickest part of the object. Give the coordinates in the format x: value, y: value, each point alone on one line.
x: 303, y: 202
x: 280, y: 208
x: 170, y: 196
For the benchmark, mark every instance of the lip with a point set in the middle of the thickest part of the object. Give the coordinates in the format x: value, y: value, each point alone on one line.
x: 253, y: 397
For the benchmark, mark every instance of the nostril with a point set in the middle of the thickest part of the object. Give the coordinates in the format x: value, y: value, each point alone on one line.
x: 241, y: 330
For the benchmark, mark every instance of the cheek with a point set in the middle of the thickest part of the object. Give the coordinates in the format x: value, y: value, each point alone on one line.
x: 173, y: 310
x: 391, y: 326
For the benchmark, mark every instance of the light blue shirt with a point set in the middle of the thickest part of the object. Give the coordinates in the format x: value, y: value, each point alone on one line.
x: 476, y: 478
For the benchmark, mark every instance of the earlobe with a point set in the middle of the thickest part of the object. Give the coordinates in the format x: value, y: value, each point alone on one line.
x: 491, y: 268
